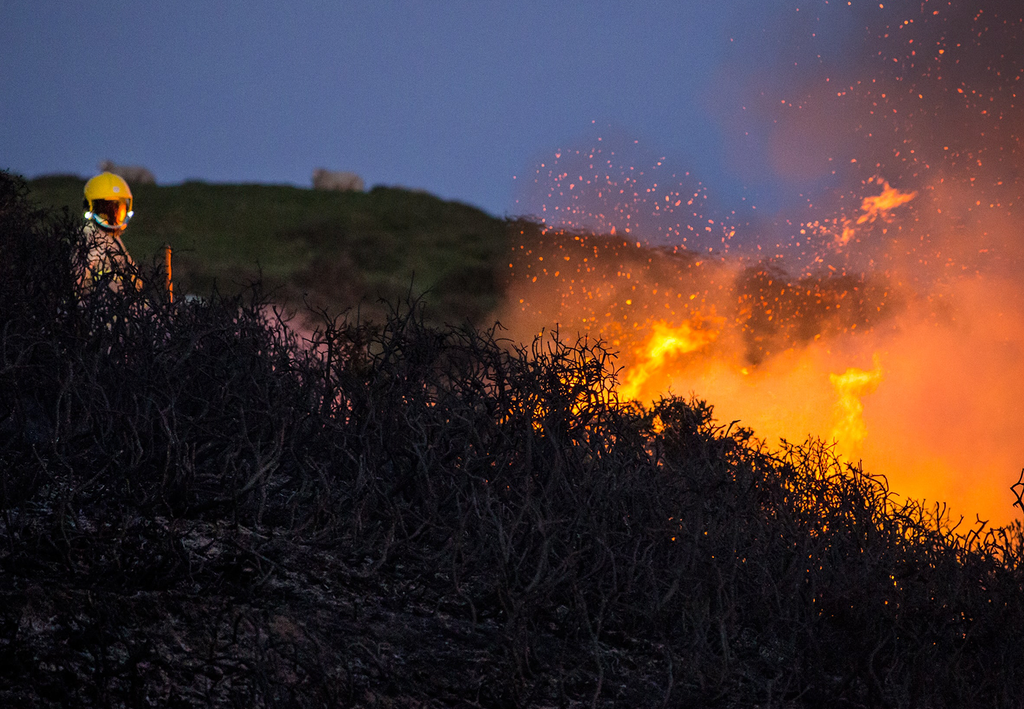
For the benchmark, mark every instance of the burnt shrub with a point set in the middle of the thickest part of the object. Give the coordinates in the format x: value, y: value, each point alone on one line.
x: 199, y: 507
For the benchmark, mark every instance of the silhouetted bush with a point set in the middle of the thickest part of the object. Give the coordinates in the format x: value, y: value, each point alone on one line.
x: 202, y: 509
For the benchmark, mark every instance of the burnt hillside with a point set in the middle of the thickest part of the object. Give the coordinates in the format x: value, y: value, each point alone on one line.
x: 199, y: 510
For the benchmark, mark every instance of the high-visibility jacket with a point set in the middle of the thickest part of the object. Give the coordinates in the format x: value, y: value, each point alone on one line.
x: 107, y: 254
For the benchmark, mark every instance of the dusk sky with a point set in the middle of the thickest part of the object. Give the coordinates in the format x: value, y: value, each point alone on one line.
x: 463, y: 99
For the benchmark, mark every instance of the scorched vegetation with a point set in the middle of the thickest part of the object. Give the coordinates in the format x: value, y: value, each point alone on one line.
x: 199, y: 510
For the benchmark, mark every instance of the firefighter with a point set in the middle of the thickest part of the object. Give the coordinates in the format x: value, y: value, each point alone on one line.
x: 108, y: 207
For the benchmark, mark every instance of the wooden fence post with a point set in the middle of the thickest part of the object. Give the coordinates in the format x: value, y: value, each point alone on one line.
x: 170, y: 283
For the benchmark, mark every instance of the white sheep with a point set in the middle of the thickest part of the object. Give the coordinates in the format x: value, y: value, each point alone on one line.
x: 132, y: 174
x: 341, y: 181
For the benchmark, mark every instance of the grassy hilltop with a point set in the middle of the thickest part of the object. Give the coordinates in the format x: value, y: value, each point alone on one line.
x: 196, y: 510
x: 335, y: 249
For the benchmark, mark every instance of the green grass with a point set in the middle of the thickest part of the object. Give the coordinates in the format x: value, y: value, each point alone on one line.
x: 334, y: 249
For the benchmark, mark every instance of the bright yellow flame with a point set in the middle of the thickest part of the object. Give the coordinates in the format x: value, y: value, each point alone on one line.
x: 850, y: 430
x: 665, y: 342
x: 657, y: 426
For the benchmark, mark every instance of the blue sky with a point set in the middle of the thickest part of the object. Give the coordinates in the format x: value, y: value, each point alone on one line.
x: 454, y: 97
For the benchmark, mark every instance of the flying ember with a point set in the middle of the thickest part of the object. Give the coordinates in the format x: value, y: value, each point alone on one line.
x: 874, y: 207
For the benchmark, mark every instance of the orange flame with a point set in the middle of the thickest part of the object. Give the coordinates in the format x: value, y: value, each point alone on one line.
x: 665, y: 343
x: 874, y: 207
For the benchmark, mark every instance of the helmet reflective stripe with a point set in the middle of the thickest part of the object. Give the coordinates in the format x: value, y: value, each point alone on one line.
x: 110, y: 214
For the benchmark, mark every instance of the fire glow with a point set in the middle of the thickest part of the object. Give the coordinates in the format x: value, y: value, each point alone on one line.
x: 887, y: 316
x: 903, y: 381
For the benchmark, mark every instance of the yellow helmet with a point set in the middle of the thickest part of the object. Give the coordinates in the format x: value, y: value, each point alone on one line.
x: 108, y: 201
